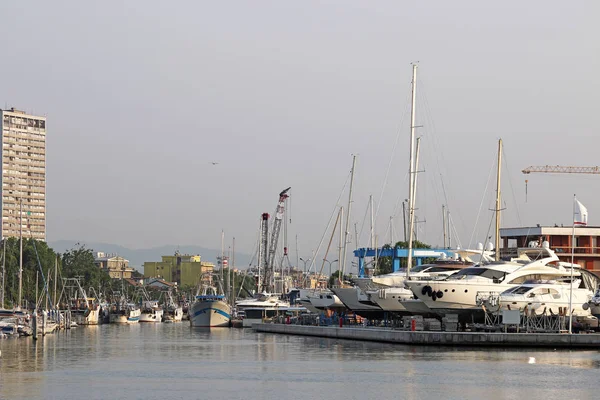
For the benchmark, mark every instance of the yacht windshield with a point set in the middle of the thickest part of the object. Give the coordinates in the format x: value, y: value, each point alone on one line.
x: 478, y: 271
x: 420, y: 268
x: 520, y: 290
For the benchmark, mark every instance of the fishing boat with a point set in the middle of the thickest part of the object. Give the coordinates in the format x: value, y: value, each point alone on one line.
x: 151, y: 311
x: 122, y: 312
x: 210, y: 308
x: 173, y: 311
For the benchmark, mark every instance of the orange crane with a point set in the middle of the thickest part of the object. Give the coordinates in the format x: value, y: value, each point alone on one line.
x: 558, y: 169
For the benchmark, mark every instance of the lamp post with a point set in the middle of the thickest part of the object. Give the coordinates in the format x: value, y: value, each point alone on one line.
x: 329, y: 262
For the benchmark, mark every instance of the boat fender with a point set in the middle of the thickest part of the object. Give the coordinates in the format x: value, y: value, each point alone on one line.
x: 585, y: 306
x: 440, y: 294
x: 434, y: 296
x: 424, y: 290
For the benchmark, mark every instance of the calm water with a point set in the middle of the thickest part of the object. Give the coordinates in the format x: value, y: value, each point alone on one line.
x: 174, y: 361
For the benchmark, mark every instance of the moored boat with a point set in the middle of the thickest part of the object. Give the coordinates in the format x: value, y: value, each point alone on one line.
x: 210, y: 308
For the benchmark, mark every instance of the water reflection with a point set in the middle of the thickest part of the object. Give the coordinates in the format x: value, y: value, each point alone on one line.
x: 149, y: 360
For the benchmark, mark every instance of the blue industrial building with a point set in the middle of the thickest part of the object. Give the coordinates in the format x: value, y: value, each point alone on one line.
x: 396, y: 254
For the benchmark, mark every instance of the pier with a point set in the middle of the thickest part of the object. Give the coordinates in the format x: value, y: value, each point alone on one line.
x: 470, y: 339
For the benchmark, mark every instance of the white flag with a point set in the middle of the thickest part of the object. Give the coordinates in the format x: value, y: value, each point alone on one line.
x: 580, y: 214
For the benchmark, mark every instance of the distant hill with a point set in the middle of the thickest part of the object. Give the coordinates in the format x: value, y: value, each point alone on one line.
x: 137, y: 257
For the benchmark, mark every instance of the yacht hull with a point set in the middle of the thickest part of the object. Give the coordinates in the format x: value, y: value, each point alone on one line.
x: 210, y: 313
x: 363, y: 307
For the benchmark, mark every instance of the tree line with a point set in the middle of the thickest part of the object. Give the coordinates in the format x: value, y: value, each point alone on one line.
x: 39, y: 262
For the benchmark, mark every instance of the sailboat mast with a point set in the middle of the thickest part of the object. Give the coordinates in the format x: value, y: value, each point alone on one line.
x: 346, y: 231
x: 341, y: 244
x: 231, y: 279
x: 411, y: 168
x: 444, y: 224
x: 412, y: 233
x: 497, y: 255
x: 372, y: 244
x: 55, y: 281
x: 20, y: 252
x: 449, y: 234
x: 222, y: 251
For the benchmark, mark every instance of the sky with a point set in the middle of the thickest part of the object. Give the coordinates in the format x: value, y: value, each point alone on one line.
x: 142, y: 96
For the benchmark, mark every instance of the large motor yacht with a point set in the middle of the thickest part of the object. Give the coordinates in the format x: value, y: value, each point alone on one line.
x: 460, y: 292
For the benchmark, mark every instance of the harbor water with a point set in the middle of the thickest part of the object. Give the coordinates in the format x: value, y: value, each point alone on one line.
x: 174, y: 361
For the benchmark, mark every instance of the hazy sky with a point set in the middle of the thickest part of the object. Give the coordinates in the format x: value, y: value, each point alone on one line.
x: 141, y: 96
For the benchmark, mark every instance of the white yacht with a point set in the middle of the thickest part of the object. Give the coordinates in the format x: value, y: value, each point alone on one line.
x: 262, y: 300
x: 547, y: 297
x: 304, y: 300
x: 459, y: 292
x: 210, y: 309
x: 325, y: 299
x: 358, y: 301
x: 399, y: 300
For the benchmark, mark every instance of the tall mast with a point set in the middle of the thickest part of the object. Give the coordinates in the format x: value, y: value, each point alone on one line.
x: 20, y: 252
x: 411, y: 233
x: 449, y: 234
x: 222, y: 251
x: 56, y: 280
x: 231, y: 276
x: 346, y: 231
x: 411, y: 167
x: 404, y: 218
x: 341, y: 244
x: 372, y: 244
x: 444, y: 224
x: 497, y: 255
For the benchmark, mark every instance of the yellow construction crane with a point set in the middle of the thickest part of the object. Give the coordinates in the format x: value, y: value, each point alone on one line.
x: 558, y: 169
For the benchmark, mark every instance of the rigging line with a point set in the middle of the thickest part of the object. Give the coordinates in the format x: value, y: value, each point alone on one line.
x: 453, y: 227
x: 439, y: 154
x: 334, y: 212
x: 481, y: 204
x: 512, y: 189
x: 487, y: 236
x: 363, y: 223
x: 393, y: 154
x: 396, y: 209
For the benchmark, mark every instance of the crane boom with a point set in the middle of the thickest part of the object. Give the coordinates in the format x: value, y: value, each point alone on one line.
x: 263, y: 259
x: 559, y: 169
x: 267, y: 285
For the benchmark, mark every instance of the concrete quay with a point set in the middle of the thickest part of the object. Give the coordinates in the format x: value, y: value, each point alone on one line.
x: 471, y: 339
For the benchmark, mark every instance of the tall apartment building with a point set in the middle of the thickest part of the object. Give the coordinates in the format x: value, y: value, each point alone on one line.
x: 23, y: 174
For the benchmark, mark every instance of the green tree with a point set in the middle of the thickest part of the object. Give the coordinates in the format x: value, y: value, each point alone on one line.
x: 37, y: 257
x: 79, y: 263
x: 333, y: 279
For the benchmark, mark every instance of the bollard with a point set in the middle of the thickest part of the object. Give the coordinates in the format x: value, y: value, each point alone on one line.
x: 34, y: 325
x: 44, y: 322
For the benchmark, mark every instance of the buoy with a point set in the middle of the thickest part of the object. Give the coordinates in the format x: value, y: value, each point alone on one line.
x: 531, y: 360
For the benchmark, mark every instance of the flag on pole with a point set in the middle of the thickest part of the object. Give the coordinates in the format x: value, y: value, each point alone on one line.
x: 580, y: 214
